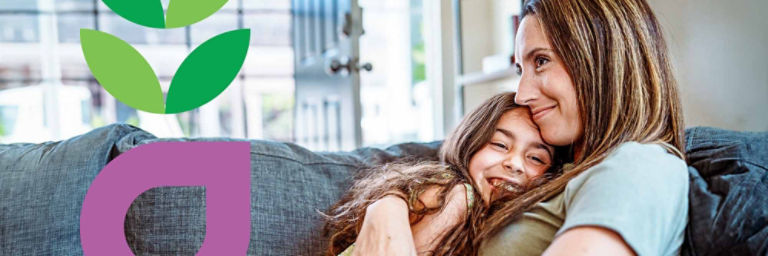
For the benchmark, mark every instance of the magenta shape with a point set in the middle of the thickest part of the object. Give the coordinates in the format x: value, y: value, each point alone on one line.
x: 223, y: 168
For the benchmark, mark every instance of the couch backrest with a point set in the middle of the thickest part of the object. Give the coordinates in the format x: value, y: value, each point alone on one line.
x: 42, y: 187
x: 290, y: 186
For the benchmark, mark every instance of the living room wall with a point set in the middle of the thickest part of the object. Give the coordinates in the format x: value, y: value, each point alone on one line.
x: 721, y: 58
x: 719, y: 51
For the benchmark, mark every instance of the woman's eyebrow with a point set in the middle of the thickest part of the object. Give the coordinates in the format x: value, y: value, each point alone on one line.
x: 532, y: 52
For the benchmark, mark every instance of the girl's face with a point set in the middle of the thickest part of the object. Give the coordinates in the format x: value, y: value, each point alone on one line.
x: 514, y: 156
x: 545, y: 86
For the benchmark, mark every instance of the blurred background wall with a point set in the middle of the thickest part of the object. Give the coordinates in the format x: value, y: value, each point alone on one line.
x: 720, y: 51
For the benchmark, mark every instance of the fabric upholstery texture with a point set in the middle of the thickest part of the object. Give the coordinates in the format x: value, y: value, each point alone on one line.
x: 728, y: 193
x: 42, y: 187
x: 290, y: 187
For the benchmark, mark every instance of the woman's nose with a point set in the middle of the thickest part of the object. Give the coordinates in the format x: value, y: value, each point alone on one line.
x: 526, y: 91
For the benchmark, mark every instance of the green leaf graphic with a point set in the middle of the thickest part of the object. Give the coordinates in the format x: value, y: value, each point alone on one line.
x: 147, y: 13
x: 122, y: 71
x: 207, y: 71
x: 185, y: 12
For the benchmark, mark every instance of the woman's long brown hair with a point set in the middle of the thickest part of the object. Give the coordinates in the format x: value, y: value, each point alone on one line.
x: 345, y: 218
x: 616, y: 56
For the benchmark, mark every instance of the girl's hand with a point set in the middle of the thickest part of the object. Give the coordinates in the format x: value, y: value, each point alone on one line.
x: 386, y: 229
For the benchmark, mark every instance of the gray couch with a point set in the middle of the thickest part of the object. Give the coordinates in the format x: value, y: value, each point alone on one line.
x: 42, y: 187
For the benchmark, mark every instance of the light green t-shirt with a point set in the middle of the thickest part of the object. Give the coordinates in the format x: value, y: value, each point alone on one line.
x: 639, y: 191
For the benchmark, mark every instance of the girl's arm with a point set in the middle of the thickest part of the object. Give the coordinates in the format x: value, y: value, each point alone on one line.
x: 431, y: 229
x: 386, y: 229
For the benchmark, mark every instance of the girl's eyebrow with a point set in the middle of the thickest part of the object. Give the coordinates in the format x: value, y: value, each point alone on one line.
x: 506, y: 133
x: 545, y: 147
x: 536, y: 145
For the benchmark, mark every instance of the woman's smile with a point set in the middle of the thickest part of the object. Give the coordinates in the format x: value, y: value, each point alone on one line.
x: 539, y: 113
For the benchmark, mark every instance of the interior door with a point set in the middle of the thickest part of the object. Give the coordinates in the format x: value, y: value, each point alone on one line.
x: 327, y: 108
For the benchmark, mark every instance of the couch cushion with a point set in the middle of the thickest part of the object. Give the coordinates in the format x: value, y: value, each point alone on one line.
x: 42, y: 187
x: 289, y: 186
x: 729, y: 192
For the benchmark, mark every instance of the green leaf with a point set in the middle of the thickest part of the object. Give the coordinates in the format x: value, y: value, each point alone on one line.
x: 147, y: 13
x: 186, y: 12
x: 122, y: 71
x: 207, y: 71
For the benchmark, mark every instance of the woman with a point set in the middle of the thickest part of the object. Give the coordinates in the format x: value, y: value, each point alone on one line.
x: 497, y: 149
x: 596, y: 76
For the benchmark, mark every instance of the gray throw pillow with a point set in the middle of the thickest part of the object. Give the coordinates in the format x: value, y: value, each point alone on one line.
x: 729, y: 192
x: 42, y: 187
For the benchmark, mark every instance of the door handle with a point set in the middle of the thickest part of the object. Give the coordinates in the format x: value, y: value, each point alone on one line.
x: 344, y: 66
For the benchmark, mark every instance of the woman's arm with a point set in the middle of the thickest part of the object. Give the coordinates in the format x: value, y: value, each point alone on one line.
x: 589, y: 240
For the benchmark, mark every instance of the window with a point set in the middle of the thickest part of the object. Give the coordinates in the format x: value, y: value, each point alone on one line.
x: 395, y: 96
x: 47, y: 91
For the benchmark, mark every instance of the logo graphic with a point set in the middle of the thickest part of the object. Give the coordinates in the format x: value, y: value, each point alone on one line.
x: 202, y: 76
x: 223, y: 168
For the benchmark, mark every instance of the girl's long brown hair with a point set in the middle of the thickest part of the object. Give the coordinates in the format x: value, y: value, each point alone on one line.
x: 616, y: 56
x: 409, y: 180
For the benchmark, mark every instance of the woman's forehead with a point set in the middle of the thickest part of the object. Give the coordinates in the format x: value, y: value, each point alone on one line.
x: 530, y: 37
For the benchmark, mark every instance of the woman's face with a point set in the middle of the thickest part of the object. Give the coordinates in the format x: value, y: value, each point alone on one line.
x: 545, y: 86
x: 515, y: 156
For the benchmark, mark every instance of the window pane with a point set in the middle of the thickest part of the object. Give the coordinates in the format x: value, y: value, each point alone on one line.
x: 267, y: 4
x: 72, y: 62
x: 269, y: 106
x: 137, y: 34
x: 73, y: 5
x: 21, y: 115
x: 212, y: 26
x: 269, y: 28
x: 18, y: 5
x: 70, y: 24
x: 20, y: 64
x: 269, y: 61
x: 165, y: 59
x: 19, y: 28
x: 396, y: 102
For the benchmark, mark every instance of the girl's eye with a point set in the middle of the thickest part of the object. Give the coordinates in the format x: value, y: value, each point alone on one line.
x: 518, y: 70
x: 540, y: 61
x: 538, y: 160
x: 499, y: 145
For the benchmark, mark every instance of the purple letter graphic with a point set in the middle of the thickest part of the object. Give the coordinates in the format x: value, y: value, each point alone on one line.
x: 223, y: 168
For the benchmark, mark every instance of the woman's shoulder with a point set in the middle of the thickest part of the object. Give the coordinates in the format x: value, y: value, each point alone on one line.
x: 634, y: 167
x: 640, y: 158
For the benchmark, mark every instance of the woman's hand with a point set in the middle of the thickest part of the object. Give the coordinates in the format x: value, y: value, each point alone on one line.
x: 386, y: 229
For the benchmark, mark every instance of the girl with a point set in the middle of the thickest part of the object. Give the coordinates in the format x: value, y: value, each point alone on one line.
x: 496, y: 153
